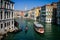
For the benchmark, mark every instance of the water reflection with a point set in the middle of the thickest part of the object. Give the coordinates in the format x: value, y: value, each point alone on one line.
x: 48, y: 32
x: 52, y: 32
x: 48, y: 27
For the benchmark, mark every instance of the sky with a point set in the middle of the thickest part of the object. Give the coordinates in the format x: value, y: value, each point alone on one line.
x: 29, y: 4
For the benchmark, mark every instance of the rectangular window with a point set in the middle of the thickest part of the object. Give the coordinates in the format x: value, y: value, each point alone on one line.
x: 5, y: 15
x: 43, y: 12
x: 1, y: 26
x: 12, y: 14
x: 1, y: 14
x: 5, y: 24
x: 12, y: 6
x: 9, y: 14
x: 9, y: 23
x: 5, y: 4
x: 12, y: 22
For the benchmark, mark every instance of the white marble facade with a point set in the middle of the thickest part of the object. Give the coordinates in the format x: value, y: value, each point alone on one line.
x: 6, y: 16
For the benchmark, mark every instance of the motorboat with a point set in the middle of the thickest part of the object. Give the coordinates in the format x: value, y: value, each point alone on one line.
x: 38, y: 27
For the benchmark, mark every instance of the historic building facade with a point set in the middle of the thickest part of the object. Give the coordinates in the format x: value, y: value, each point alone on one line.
x: 58, y: 12
x: 46, y: 13
x: 6, y: 16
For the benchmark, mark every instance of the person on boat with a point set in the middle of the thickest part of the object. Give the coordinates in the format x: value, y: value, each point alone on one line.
x: 26, y: 27
x: 20, y: 29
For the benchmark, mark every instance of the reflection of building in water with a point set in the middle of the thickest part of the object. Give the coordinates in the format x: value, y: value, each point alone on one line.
x: 6, y: 16
x: 48, y: 27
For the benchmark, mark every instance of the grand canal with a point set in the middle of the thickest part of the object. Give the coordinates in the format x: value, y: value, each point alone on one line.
x: 52, y: 32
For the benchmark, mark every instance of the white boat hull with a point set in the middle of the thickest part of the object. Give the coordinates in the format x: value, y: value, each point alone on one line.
x: 38, y: 29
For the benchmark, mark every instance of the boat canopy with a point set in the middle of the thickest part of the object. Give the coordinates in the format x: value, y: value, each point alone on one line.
x: 37, y: 24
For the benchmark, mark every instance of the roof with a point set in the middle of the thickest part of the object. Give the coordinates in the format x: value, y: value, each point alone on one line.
x: 37, y: 24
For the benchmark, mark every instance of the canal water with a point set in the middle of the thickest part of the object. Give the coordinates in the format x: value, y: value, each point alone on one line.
x: 52, y: 32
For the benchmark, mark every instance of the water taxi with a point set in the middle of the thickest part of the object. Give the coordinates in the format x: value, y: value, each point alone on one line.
x: 38, y: 27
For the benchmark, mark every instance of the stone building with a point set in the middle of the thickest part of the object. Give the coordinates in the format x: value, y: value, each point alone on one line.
x: 58, y: 12
x: 6, y: 16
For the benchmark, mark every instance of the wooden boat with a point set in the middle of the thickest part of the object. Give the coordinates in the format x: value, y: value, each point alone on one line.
x: 17, y: 30
x: 38, y: 27
x: 16, y: 23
